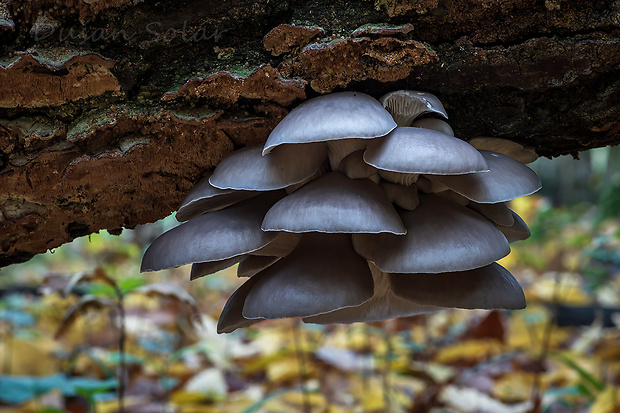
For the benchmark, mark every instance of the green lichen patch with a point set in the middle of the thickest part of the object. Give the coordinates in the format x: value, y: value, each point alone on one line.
x: 56, y: 58
x: 194, y: 114
x: 7, y: 61
x: 83, y: 126
x: 382, y: 29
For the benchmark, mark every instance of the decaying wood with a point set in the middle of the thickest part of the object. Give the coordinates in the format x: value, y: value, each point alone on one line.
x: 111, y: 110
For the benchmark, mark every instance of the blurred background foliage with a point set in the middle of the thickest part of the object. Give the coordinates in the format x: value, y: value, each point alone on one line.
x: 74, y: 319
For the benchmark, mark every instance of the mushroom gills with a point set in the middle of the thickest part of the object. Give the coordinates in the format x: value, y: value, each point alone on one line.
x: 407, y: 105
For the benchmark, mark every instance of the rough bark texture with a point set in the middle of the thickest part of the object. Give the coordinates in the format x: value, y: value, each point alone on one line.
x: 111, y: 110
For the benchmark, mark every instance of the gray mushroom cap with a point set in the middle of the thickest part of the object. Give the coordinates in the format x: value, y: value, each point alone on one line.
x: 354, y: 167
x: 384, y: 304
x: 322, y: 274
x: 204, y: 198
x: 520, y: 152
x: 518, y: 231
x: 405, y: 197
x: 406, y: 105
x: 424, y: 151
x: 216, y: 236
x: 498, y: 213
x: 253, y: 264
x: 331, y: 117
x: 441, y: 237
x: 506, y: 180
x: 434, y: 124
x: 201, y: 269
x: 489, y: 287
x: 248, y: 169
x: 232, y: 317
x: 334, y: 203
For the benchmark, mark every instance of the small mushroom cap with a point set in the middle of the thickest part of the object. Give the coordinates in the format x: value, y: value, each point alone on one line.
x: 424, y: 151
x: 434, y: 124
x: 340, y: 149
x: 201, y: 269
x: 489, y: 287
x: 441, y: 237
x: 248, y: 169
x: 334, y: 203
x: 506, y: 180
x: 232, y: 317
x: 331, y: 117
x: 216, y: 236
x: 406, y: 105
x: 498, y: 213
x: 322, y: 274
x: 520, y: 152
x: 354, y: 167
x: 518, y: 231
x: 204, y: 198
x: 383, y: 305
x: 253, y: 264
x: 405, y: 197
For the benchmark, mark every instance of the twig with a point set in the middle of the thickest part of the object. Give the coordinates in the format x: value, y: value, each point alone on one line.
x: 121, y: 348
x: 303, y: 375
x: 387, y: 368
x: 546, y: 340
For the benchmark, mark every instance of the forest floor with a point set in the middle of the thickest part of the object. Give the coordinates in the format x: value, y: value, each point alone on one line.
x: 60, y: 352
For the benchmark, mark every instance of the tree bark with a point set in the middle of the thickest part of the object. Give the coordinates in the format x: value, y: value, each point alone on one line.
x: 111, y: 110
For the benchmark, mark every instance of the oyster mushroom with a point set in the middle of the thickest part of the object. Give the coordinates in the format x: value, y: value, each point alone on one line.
x: 507, y: 179
x: 520, y: 152
x: 334, y: 203
x: 423, y: 151
x: 384, y: 304
x: 216, y: 236
x: 253, y: 264
x: 286, y: 165
x: 322, y: 274
x: 441, y: 237
x: 407, y: 105
x: 342, y: 216
x: 344, y: 120
x: 435, y: 124
x: 489, y: 287
x: 204, y: 198
x: 518, y: 231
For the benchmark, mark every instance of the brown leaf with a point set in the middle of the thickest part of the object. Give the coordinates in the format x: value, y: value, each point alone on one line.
x: 86, y: 303
x: 98, y: 275
x: 172, y: 291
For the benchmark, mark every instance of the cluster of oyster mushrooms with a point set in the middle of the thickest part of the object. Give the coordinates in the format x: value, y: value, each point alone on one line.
x: 356, y: 210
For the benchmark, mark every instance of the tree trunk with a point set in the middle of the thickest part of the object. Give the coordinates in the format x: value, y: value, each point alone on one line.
x: 111, y: 110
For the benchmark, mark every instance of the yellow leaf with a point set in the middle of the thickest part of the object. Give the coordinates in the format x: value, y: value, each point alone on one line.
x: 438, y: 372
x: 569, y: 292
x: 30, y: 357
x: 607, y: 401
x: 527, y: 329
x: 112, y: 406
x: 294, y: 402
x: 514, y: 387
x: 189, y: 397
x: 285, y: 369
x: 469, y: 351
